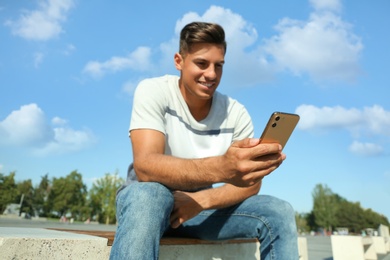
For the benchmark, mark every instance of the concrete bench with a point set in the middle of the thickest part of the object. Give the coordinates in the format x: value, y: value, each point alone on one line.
x: 38, y: 243
x: 357, y: 247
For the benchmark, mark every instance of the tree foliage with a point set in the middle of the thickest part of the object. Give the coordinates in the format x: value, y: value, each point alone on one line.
x: 25, y: 195
x: 324, y: 207
x: 69, y: 194
x: 331, y: 211
x: 8, y: 190
x: 41, y: 196
x: 102, y: 197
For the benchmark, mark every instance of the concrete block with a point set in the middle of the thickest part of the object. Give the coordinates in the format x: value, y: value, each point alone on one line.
x: 369, y: 248
x: 210, y: 251
x: 384, y: 232
x: 302, y: 248
x: 347, y: 248
x: 37, y: 243
x: 379, y: 245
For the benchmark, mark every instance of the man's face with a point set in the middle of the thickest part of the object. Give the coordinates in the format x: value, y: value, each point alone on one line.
x: 201, y: 71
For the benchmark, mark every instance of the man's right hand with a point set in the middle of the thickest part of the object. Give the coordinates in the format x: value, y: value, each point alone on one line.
x: 247, y: 162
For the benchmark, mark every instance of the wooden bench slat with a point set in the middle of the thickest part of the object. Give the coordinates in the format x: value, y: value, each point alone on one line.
x: 164, y: 241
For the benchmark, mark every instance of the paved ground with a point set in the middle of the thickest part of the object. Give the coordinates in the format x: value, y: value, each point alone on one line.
x: 17, y: 222
x: 319, y: 247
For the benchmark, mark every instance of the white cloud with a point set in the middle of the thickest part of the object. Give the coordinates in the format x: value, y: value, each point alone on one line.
x: 1, y: 167
x: 330, y: 5
x: 137, y: 60
x: 66, y: 140
x: 44, y: 23
x: 24, y: 127
x: 313, y: 117
x: 366, y: 149
x: 38, y: 58
x: 29, y: 128
x: 129, y: 87
x: 69, y: 49
x: 369, y: 122
x: 324, y: 47
x: 58, y: 121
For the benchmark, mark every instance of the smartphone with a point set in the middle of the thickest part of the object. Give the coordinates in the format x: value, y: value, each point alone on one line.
x: 279, y: 128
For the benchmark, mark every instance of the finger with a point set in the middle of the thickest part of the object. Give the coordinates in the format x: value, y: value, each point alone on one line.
x: 173, y: 217
x: 175, y: 223
x: 246, y: 143
x: 270, y: 158
x: 257, y: 176
x: 264, y: 150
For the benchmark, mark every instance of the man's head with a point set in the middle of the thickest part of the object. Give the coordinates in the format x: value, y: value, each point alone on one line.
x: 201, y: 32
x: 200, y: 61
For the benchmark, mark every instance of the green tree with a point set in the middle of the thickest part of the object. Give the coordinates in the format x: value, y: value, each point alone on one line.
x: 25, y: 194
x: 351, y: 216
x: 373, y: 219
x: 102, y: 197
x: 68, y: 195
x: 325, y: 207
x: 41, y: 195
x: 330, y: 211
x: 301, y: 220
x: 8, y: 190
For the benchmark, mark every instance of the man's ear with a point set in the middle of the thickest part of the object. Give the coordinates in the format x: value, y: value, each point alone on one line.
x: 178, y: 61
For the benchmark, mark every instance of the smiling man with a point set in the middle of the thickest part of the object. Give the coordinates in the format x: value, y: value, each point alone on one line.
x: 186, y: 136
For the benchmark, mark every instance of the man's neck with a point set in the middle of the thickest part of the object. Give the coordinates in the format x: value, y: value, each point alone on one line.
x: 200, y: 111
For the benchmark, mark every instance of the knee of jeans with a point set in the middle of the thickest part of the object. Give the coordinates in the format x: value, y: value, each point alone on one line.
x: 280, y: 209
x: 284, y: 215
x: 146, y: 195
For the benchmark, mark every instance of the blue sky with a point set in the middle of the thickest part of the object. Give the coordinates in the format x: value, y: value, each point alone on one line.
x: 68, y: 70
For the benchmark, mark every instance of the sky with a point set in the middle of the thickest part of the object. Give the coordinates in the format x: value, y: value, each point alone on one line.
x: 68, y: 70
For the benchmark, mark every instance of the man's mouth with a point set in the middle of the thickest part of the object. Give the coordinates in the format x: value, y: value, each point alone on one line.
x: 207, y: 84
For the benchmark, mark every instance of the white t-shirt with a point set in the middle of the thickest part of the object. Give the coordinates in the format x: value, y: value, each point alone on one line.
x: 159, y: 105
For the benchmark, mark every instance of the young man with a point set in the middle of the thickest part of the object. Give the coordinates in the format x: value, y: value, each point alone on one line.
x: 186, y: 137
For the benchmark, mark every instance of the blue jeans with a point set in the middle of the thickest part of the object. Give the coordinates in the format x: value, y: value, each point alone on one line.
x: 144, y: 208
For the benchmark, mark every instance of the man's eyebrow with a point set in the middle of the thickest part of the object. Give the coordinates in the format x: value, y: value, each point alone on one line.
x: 206, y: 60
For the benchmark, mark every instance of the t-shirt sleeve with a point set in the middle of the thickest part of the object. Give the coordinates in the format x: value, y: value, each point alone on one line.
x: 148, y: 106
x: 244, y: 126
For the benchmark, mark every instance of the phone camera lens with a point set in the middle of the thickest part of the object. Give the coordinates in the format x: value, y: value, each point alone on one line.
x: 277, y: 118
x: 274, y: 125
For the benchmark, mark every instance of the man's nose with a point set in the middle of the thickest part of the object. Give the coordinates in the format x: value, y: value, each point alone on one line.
x: 210, y: 72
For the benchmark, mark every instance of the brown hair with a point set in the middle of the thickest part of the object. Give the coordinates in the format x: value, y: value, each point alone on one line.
x: 201, y: 32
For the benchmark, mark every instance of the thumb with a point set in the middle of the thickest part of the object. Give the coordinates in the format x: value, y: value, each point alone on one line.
x: 246, y: 143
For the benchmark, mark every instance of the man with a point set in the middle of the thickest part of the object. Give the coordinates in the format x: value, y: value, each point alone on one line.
x: 186, y: 137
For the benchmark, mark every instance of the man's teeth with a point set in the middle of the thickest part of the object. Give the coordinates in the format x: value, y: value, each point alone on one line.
x: 209, y: 85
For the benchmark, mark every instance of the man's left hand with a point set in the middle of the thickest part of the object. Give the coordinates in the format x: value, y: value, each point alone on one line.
x: 185, y: 208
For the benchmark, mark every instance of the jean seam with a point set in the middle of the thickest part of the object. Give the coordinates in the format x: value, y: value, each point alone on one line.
x: 262, y: 219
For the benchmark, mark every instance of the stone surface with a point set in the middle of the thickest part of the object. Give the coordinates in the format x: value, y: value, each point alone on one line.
x: 347, y: 248
x: 36, y: 243
x: 39, y: 243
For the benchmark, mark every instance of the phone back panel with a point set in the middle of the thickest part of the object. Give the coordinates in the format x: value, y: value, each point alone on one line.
x: 279, y: 128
